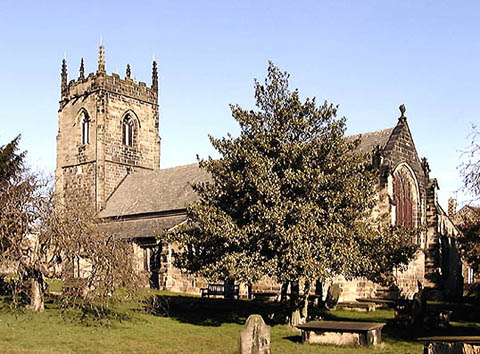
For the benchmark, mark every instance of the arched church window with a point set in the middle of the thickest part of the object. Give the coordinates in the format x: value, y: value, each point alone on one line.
x: 403, y: 195
x: 127, y: 130
x: 85, y: 128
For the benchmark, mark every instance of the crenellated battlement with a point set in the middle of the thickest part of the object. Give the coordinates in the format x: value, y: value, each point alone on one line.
x: 113, y: 83
x: 108, y: 127
x: 110, y: 83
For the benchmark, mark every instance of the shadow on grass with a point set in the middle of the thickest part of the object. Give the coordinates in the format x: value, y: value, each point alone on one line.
x: 464, y: 322
x: 213, y: 312
x: 294, y: 339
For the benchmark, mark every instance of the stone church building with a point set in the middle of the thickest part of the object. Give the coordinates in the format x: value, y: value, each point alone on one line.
x: 108, y: 153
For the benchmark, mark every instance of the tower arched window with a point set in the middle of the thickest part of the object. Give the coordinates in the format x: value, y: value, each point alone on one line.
x: 85, y: 128
x: 404, y: 197
x: 128, y: 129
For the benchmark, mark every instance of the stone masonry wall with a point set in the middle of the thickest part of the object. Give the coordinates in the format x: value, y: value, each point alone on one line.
x: 401, y: 148
x: 79, y: 181
x: 106, y: 99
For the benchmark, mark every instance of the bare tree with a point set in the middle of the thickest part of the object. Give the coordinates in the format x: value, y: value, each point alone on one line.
x: 469, y: 221
x: 40, y: 238
x: 470, y: 168
x: 94, y: 262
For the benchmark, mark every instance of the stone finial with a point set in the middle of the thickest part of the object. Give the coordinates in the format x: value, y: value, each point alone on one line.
x: 426, y: 167
x: 154, y: 76
x: 64, y: 75
x: 101, y: 59
x: 128, y: 72
x: 82, y: 70
x: 452, y: 206
x: 402, y: 112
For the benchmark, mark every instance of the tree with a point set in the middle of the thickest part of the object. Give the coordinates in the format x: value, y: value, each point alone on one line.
x: 469, y: 222
x: 94, y: 262
x: 469, y: 240
x: 470, y: 168
x: 290, y: 198
x: 22, y: 203
x: 40, y: 238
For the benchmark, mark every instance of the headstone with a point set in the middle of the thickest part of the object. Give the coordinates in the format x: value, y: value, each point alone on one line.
x: 296, y: 318
x: 418, y: 309
x: 255, y: 337
x: 333, y: 295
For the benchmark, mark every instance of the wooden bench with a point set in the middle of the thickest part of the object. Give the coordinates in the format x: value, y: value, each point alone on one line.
x: 450, y: 344
x: 229, y: 290
x: 342, y: 332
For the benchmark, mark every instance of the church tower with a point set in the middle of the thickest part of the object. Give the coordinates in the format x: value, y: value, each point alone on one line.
x: 107, y: 128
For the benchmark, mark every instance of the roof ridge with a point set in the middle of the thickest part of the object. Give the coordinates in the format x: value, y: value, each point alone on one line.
x: 179, y: 166
x: 372, y: 132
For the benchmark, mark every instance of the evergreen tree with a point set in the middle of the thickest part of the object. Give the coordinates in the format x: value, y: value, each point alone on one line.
x: 21, y: 200
x: 290, y: 198
x: 10, y: 160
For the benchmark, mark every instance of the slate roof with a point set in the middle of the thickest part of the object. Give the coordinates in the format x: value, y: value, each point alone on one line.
x: 468, y: 211
x: 474, y: 208
x: 372, y: 139
x: 154, y: 191
x: 140, y: 228
x: 169, y: 189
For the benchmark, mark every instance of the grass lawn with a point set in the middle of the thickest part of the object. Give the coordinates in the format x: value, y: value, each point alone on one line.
x: 193, y: 325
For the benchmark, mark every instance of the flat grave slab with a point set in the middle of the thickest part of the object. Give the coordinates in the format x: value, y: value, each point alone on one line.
x: 451, y: 339
x: 356, y: 306
x: 378, y: 301
x: 451, y: 344
x: 342, y: 332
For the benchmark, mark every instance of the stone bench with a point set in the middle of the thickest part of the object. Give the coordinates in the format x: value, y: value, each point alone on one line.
x: 451, y: 344
x: 380, y: 303
x: 342, y: 332
x: 356, y: 306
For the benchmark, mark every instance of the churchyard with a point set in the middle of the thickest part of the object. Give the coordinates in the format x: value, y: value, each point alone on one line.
x: 184, y: 323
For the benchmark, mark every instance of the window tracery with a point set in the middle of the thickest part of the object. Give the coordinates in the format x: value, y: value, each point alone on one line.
x: 127, y: 130
x: 404, y: 195
x: 85, y: 128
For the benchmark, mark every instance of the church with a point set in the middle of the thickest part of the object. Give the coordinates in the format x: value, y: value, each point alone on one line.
x: 108, y: 154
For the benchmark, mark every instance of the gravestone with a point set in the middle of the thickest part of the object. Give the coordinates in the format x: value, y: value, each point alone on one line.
x: 333, y: 295
x: 418, y: 309
x: 255, y: 337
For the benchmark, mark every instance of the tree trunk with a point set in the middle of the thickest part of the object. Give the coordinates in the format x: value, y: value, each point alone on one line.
x: 36, y: 296
x: 299, y: 305
x: 283, y: 292
x: 250, y: 292
x: 295, y: 317
x: 318, y: 293
x: 228, y: 286
x: 306, y: 293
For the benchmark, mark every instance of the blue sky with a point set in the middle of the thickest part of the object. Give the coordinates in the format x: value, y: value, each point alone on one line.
x: 366, y: 56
